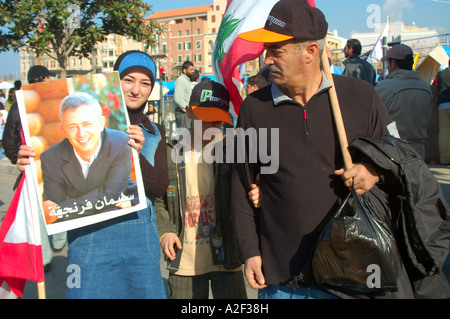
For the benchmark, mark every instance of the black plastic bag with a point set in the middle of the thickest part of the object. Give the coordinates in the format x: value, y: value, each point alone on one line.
x: 356, y: 250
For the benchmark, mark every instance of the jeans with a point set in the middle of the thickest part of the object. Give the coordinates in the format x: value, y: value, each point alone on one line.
x: 182, y: 119
x: 117, y: 258
x: 280, y: 292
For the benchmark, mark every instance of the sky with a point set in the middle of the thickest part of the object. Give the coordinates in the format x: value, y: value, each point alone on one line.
x: 346, y: 16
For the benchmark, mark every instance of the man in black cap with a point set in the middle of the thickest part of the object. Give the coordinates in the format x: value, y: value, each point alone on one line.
x: 194, y: 222
x: 406, y: 97
x: 277, y: 241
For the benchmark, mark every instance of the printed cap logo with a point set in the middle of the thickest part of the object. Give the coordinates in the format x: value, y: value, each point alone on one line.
x: 276, y: 21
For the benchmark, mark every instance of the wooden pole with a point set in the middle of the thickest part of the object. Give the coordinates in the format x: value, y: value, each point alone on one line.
x: 336, y: 112
x: 41, y: 286
x: 41, y: 290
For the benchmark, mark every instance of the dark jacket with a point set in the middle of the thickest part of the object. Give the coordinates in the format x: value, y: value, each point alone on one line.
x: 410, y: 201
x: 11, y: 134
x: 443, y: 82
x: 154, y: 174
x: 420, y: 214
x: 171, y: 206
x: 298, y: 198
x: 360, y: 69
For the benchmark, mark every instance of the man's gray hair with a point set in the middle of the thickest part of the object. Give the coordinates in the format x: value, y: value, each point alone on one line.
x: 77, y: 99
x: 302, y: 44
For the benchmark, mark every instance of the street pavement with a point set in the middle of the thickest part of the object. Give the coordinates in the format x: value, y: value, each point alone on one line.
x: 55, y: 279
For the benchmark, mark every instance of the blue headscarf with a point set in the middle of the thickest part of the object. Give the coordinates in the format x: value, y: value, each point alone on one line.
x: 135, y: 61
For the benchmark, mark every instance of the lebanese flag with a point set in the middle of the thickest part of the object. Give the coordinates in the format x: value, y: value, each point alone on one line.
x: 230, y: 51
x: 20, y: 241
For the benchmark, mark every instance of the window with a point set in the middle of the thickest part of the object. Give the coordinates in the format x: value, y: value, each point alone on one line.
x: 187, y: 45
x: 164, y: 47
x: 180, y: 59
x: 198, y: 30
x: 198, y: 57
x: 198, y: 45
x: 179, y: 33
x: 187, y: 32
x: 179, y: 46
x: 213, y: 18
x: 187, y: 57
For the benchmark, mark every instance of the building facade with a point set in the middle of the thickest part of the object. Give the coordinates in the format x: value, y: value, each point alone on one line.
x: 421, y: 40
x: 101, y: 60
x: 189, y: 35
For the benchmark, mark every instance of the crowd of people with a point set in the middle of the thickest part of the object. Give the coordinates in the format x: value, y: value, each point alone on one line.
x: 218, y: 224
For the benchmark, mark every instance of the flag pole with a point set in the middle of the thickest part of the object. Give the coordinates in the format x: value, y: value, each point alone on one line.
x: 337, y: 112
x: 41, y: 290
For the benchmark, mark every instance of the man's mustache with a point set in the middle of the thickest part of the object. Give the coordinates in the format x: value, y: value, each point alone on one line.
x: 273, y: 68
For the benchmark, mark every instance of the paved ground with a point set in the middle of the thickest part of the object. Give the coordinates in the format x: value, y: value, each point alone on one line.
x: 56, y: 278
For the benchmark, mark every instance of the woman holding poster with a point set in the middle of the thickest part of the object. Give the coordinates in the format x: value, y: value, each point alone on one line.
x: 120, y: 257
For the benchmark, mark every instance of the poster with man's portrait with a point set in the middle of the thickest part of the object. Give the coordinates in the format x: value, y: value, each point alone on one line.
x: 85, y: 170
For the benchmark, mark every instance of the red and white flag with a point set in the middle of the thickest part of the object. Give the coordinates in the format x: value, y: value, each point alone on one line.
x: 20, y: 241
x: 230, y: 51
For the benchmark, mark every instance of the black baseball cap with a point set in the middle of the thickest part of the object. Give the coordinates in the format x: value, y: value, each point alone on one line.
x: 37, y: 73
x: 210, y: 102
x: 290, y: 19
x: 399, y: 52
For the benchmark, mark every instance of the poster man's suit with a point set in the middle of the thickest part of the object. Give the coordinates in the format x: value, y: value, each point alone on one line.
x: 108, y: 177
